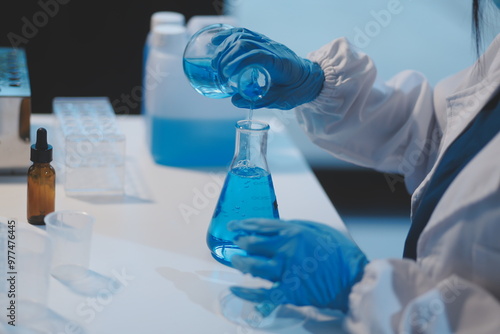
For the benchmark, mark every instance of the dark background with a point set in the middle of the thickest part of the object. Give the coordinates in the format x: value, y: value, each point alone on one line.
x: 87, y: 47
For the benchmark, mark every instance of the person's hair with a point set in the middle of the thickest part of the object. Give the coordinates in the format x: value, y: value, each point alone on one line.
x: 477, y: 18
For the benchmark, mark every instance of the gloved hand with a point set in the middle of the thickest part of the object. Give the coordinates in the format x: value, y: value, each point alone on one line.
x: 294, y: 80
x: 312, y: 264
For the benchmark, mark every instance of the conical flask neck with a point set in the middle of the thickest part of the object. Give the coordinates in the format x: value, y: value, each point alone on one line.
x: 251, y: 145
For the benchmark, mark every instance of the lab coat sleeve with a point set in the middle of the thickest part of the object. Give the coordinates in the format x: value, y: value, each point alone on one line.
x: 388, y: 126
x: 395, y: 296
x: 453, y: 287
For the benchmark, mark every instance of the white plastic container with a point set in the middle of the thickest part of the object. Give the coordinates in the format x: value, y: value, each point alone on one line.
x: 157, y: 19
x: 184, y: 128
x: 166, y: 17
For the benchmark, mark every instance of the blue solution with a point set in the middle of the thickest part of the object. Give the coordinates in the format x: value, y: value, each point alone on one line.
x: 252, y: 82
x: 203, y: 77
x: 248, y: 192
x: 192, y: 142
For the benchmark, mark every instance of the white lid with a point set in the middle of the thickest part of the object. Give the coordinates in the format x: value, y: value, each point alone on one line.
x: 167, y: 18
x: 169, y: 38
x: 198, y: 22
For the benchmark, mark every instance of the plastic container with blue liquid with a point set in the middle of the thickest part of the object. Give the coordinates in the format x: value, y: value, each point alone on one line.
x: 184, y: 129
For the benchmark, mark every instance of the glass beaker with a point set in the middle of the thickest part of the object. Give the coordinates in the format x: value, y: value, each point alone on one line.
x: 252, y: 82
x: 248, y: 190
x: 71, y: 235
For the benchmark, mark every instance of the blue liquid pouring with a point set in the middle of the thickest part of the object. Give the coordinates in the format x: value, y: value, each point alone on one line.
x: 248, y: 192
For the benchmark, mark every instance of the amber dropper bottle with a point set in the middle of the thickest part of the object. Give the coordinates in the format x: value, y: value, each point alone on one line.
x: 41, y: 180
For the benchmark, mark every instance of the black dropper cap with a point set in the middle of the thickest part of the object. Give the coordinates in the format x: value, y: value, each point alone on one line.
x: 41, y: 152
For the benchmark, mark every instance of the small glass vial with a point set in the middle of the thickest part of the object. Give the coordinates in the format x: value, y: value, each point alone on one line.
x: 41, y: 180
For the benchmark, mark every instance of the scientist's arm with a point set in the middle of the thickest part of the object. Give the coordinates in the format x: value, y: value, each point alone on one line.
x: 387, y: 126
x: 294, y: 80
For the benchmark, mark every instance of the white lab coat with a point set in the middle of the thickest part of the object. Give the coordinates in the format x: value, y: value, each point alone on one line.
x: 404, y: 126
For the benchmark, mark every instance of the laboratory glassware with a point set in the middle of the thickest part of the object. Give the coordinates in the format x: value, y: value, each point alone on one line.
x: 252, y: 83
x: 41, y: 180
x: 93, y: 146
x: 248, y: 190
x: 71, y: 233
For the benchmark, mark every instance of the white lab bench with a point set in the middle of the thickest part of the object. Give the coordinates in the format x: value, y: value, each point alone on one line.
x: 152, y: 240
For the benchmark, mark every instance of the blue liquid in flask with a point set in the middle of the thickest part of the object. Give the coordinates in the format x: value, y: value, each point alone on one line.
x: 248, y: 192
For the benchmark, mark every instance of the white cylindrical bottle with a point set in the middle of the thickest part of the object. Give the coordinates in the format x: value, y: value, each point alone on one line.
x: 167, y: 18
x: 185, y: 129
x: 158, y: 18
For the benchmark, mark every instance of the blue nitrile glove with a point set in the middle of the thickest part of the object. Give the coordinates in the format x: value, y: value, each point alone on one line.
x: 294, y: 80
x: 312, y: 264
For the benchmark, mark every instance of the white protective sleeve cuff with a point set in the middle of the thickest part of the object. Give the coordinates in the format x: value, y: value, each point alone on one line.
x: 397, y: 296
x: 364, y: 121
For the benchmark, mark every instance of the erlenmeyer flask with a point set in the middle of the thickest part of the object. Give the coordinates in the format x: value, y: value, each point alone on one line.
x: 248, y: 190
